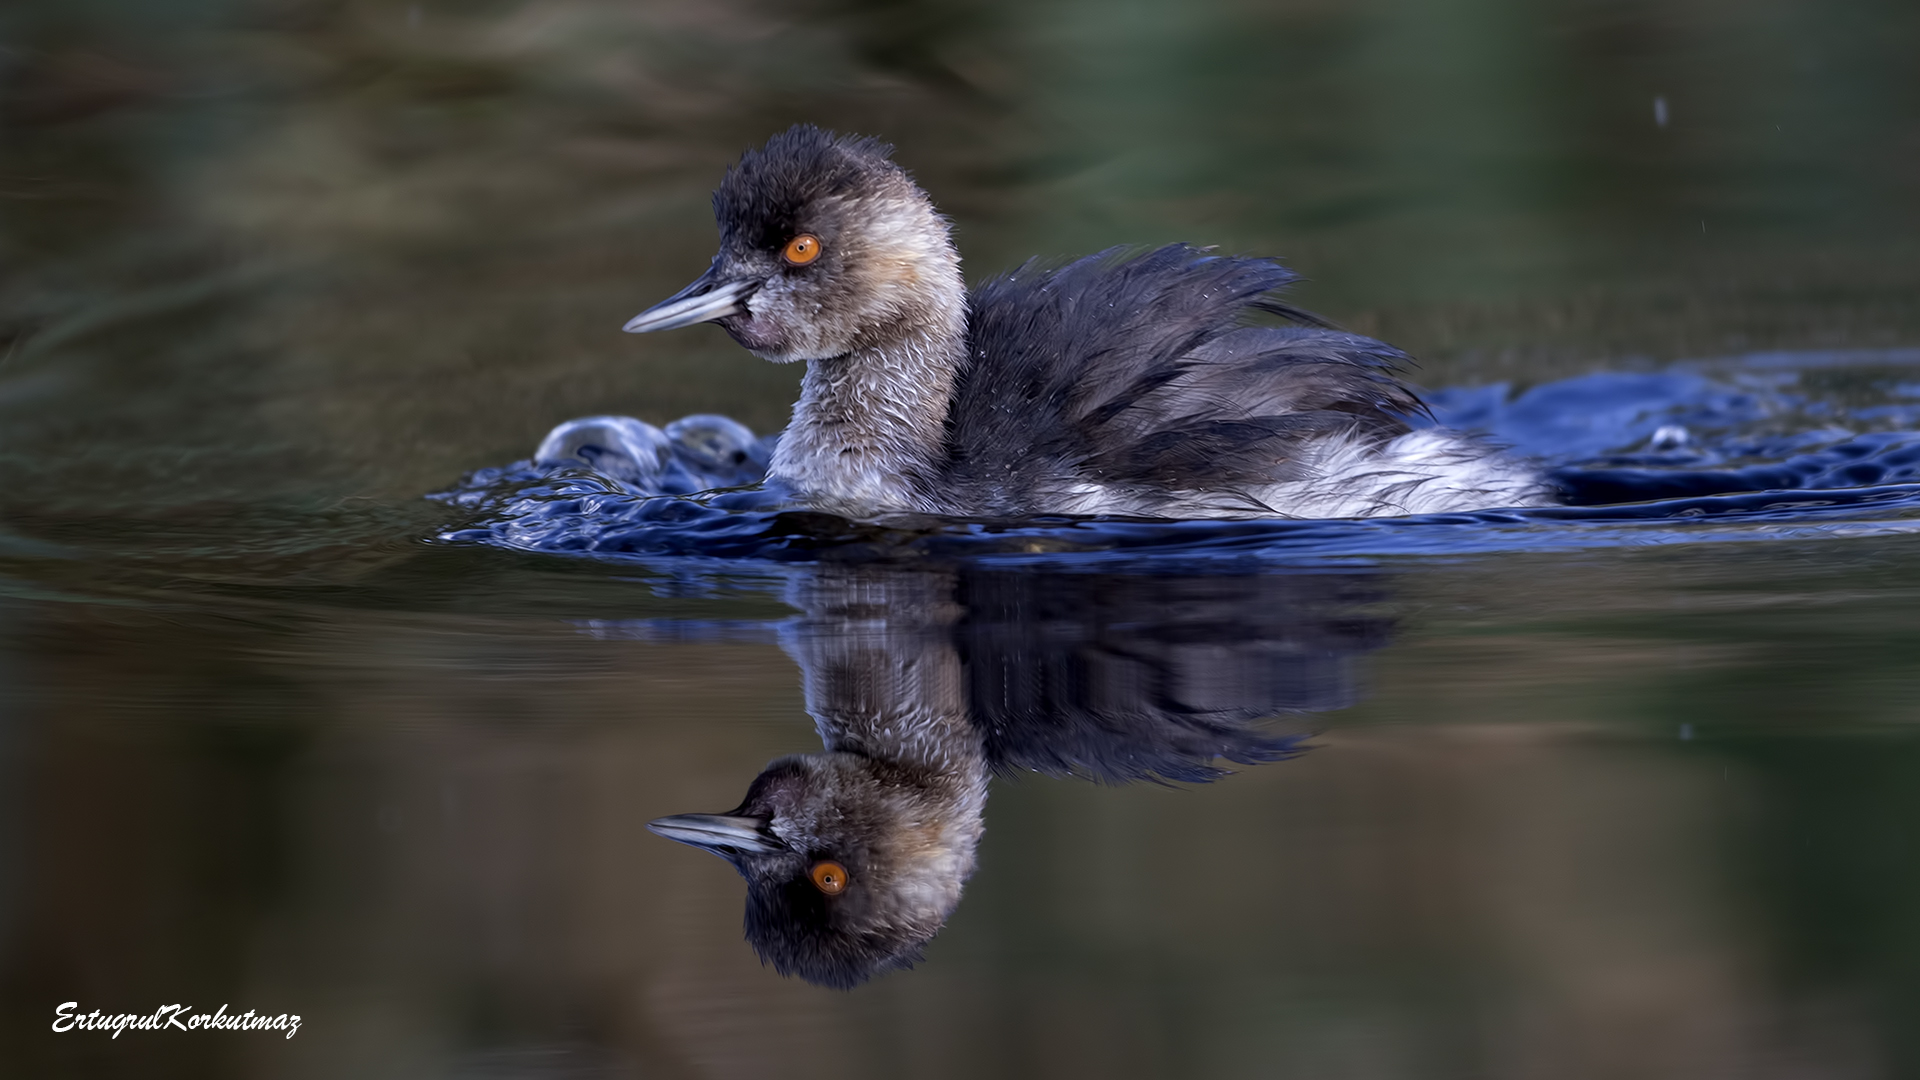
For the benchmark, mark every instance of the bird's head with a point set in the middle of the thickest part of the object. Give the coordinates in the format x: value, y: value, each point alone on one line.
x: 826, y: 247
x: 851, y: 865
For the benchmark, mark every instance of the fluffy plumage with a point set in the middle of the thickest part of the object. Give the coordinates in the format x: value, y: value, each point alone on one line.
x: 1116, y: 384
x: 1130, y: 383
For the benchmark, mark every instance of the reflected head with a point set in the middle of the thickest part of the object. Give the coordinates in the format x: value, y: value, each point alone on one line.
x: 851, y: 864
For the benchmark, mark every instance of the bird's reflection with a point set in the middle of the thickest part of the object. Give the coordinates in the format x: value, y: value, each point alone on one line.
x: 923, y: 683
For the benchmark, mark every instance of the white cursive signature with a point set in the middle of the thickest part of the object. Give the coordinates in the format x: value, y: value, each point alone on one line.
x: 67, y: 1017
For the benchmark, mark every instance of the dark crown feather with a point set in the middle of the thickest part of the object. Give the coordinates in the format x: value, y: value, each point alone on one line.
x: 762, y: 198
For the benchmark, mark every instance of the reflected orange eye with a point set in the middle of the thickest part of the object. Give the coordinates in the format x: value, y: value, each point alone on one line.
x: 829, y: 878
x: 802, y: 249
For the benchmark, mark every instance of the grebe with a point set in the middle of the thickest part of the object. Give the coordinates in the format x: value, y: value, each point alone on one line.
x: 923, y: 682
x: 1118, y: 384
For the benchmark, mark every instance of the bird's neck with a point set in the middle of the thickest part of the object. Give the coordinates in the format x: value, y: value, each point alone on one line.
x: 870, y: 427
x: 882, y: 676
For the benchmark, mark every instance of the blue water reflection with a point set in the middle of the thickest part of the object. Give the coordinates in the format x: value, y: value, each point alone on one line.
x: 1755, y: 447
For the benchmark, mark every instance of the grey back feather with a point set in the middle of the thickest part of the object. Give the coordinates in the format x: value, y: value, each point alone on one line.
x: 1138, y: 371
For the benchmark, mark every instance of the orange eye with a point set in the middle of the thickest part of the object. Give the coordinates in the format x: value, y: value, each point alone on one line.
x: 829, y: 878
x: 802, y: 249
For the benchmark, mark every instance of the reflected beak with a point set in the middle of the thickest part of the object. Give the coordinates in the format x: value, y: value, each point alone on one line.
x: 710, y: 297
x: 725, y: 835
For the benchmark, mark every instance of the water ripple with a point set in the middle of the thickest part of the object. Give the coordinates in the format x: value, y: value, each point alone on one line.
x: 1762, y: 447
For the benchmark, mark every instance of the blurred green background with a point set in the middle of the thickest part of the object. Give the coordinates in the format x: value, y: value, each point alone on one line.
x: 270, y: 271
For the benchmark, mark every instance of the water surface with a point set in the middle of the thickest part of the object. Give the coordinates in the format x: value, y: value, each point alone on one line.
x: 1625, y: 788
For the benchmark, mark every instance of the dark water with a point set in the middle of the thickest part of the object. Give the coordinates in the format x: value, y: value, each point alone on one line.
x: 1629, y: 787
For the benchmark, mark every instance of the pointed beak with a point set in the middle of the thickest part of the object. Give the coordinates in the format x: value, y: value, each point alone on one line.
x: 712, y: 296
x: 726, y: 835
